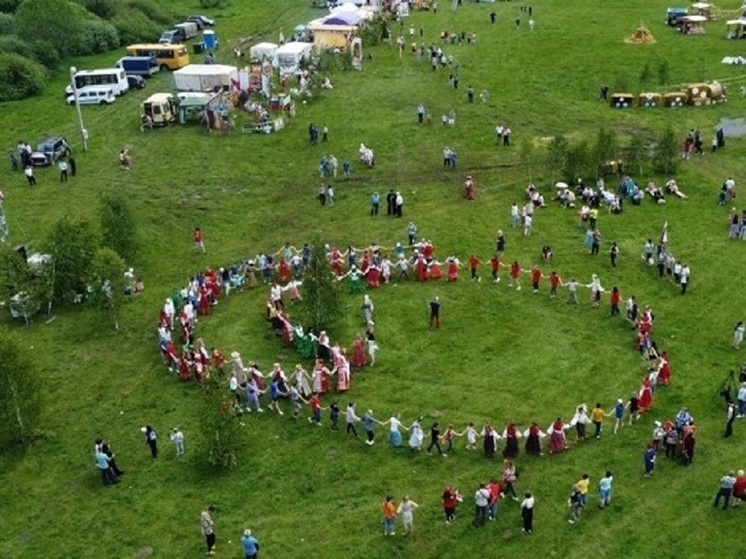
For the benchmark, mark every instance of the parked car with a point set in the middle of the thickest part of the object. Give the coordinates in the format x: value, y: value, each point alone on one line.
x: 49, y: 150
x: 201, y: 21
x: 93, y: 95
x: 135, y: 81
x: 172, y: 37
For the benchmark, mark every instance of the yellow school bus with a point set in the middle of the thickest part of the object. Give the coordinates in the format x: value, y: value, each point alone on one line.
x: 169, y: 57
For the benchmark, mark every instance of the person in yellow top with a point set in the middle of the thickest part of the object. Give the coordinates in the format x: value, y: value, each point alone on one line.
x: 389, y: 515
x: 582, y: 486
x: 597, y: 417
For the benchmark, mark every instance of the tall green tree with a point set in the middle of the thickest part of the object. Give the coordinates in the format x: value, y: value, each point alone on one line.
x: 577, y: 162
x: 20, y: 396
x: 528, y: 156
x: 638, y: 152
x: 605, y: 149
x: 108, y: 283
x: 220, y: 425
x: 322, y: 304
x: 57, y: 21
x: 666, y: 158
x: 556, y: 155
x: 72, y: 245
x: 118, y: 226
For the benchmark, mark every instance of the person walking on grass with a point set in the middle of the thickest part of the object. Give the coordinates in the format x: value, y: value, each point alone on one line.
x: 250, y: 545
x: 738, y: 332
x: 730, y: 417
x: 103, y: 465
x: 451, y: 498
x: 406, y: 510
x: 435, y: 313
x: 151, y: 439
x: 575, y: 504
x: 208, y: 529
x: 604, y: 490
x: 618, y: 415
x: 199, y: 241
x: 29, y: 172
x: 649, y: 460
x: 177, y: 437
x: 389, y: 516
x: 369, y: 423
x: 597, y: 417
x: 351, y: 418
x: 481, y: 504
x: 726, y: 490
x: 527, y: 513
x: 63, y: 167
x: 435, y: 439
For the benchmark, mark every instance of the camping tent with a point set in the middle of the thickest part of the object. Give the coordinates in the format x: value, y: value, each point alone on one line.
x: 289, y: 56
x: 205, y: 77
x: 331, y: 36
x: 263, y: 51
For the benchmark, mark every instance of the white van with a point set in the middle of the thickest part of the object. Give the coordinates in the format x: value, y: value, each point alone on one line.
x: 93, y: 95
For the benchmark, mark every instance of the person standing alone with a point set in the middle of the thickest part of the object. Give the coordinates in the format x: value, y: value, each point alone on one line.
x: 435, y: 313
x: 62, y: 166
x: 207, y: 527
x: 199, y: 241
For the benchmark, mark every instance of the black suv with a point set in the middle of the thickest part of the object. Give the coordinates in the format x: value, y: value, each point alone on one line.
x: 50, y: 150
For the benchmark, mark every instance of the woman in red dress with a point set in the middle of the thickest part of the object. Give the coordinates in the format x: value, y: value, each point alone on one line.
x: 664, y: 370
x: 185, y: 372
x: 435, y: 270
x: 453, y: 265
x: 365, y: 262
x: 373, y: 276
x: 284, y: 270
x: 358, y: 352
x: 421, y: 266
x: 336, y: 262
x: 646, y: 395
x: 204, y: 301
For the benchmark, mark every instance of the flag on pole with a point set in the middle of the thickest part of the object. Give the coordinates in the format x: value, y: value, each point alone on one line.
x: 664, y: 234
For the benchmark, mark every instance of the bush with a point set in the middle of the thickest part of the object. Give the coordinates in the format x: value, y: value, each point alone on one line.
x: 105, y: 9
x: 57, y: 21
x: 20, y: 77
x: 11, y: 43
x: 118, y: 227
x: 9, y: 6
x: 135, y: 27
x: 6, y: 24
x: 46, y: 54
x: 156, y: 13
x: 98, y: 36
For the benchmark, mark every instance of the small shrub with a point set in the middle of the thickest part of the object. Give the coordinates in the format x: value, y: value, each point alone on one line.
x: 46, y: 54
x: 98, y: 36
x: 11, y: 43
x: 135, y: 27
x: 155, y: 12
x: 20, y: 77
x: 6, y: 24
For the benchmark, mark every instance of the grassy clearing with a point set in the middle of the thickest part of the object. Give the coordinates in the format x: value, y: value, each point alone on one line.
x: 501, y: 354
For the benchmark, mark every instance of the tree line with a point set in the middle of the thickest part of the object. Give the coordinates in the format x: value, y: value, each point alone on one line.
x: 37, y: 35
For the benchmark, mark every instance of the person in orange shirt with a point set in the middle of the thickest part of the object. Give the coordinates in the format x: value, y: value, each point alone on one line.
x: 597, y: 417
x: 389, y: 516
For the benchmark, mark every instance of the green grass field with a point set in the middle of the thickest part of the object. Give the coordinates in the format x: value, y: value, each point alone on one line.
x: 500, y: 355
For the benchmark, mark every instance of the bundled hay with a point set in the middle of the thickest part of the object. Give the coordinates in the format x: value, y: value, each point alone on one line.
x: 717, y: 92
x: 641, y: 36
x: 675, y: 99
x: 621, y: 100
x: 698, y: 94
x: 649, y: 100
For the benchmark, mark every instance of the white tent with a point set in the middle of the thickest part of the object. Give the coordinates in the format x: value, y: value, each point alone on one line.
x: 289, y: 56
x: 205, y: 77
x: 263, y: 51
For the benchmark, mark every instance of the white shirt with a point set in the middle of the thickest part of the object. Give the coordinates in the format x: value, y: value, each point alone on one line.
x: 395, y: 425
x: 350, y: 415
x: 527, y: 503
x: 233, y: 384
x: 527, y: 220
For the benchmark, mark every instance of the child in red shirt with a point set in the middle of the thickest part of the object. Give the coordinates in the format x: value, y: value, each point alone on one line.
x: 536, y: 276
x: 474, y: 263
x: 615, y: 298
x: 554, y: 282
x: 515, y: 271
x: 495, y: 262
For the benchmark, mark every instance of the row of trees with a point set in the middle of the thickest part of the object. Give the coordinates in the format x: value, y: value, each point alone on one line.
x: 566, y: 160
x: 83, y: 263
x: 35, y: 35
